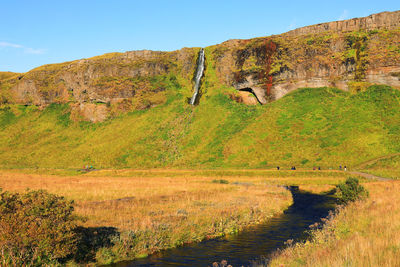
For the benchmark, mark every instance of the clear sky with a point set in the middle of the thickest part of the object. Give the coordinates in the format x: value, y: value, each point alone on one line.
x: 37, y: 32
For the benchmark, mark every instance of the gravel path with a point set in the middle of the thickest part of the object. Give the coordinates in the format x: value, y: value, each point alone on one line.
x: 370, y: 176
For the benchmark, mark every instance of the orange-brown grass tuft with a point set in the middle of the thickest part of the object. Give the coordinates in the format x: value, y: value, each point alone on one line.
x: 365, y: 233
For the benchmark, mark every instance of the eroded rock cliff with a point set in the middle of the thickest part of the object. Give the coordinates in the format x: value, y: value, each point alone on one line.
x: 99, y: 85
x: 347, y: 54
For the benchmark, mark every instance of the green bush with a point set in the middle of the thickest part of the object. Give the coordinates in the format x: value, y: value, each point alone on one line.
x: 220, y: 181
x: 105, y: 255
x: 36, y: 228
x: 350, y: 190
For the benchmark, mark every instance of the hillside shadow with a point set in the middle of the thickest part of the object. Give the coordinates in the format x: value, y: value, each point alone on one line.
x: 91, y: 239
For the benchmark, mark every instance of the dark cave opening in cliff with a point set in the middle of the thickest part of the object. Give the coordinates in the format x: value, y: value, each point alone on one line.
x: 248, y: 89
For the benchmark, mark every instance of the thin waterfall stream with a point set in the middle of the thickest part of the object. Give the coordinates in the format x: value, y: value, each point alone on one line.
x: 198, y: 75
x: 254, y: 245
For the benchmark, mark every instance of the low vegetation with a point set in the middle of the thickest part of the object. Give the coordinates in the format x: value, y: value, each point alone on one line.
x: 36, y: 228
x: 363, y: 233
x: 350, y: 191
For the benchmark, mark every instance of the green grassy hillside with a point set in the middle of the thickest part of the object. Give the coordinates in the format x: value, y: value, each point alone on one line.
x: 310, y: 127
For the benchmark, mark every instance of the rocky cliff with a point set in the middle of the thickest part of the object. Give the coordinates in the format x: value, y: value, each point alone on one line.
x: 97, y: 86
x: 350, y: 55
x: 383, y: 20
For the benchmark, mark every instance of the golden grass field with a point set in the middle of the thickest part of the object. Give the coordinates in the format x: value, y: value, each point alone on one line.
x: 365, y: 233
x: 140, y: 202
x: 167, y: 211
x: 167, y: 208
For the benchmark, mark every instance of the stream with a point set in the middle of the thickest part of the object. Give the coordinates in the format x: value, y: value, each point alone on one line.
x: 253, y: 245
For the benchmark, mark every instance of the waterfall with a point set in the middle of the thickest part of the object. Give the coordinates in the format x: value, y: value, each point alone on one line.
x: 199, y: 74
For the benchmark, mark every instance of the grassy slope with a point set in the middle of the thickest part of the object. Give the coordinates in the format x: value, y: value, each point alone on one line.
x: 308, y: 127
x: 326, y: 127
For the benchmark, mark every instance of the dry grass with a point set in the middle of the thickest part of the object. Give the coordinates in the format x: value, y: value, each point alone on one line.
x: 361, y: 234
x: 317, y: 189
x: 166, y: 211
x: 150, y: 196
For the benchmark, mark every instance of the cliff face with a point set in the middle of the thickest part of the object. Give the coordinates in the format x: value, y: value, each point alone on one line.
x: 383, y: 20
x: 347, y: 54
x: 131, y: 80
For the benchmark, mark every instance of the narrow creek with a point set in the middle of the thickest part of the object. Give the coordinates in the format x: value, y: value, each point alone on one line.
x: 253, y: 245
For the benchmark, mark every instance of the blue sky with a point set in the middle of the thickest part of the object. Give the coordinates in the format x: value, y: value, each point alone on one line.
x: 37, y: 32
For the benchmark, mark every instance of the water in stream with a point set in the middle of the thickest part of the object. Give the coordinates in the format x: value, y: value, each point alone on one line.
x: 252, y: 245
x: 198, y: 75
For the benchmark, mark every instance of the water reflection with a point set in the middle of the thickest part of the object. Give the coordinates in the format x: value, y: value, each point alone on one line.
x: 252, y: 245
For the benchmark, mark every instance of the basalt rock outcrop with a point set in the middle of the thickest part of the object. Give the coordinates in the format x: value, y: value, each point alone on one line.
x: 383, y: 20
x: 350, y: 55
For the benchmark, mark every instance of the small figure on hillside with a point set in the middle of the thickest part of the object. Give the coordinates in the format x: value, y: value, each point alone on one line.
x: 294, y: 168
x: 278, y: 168
x: 319, y: 168
x: 345, y: 168
x: 340, y: 167
x: 313, y: 168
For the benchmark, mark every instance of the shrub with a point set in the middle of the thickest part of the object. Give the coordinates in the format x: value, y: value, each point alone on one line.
x: 350, y: 190
x: 357, y: 87
x: 304, y: 161
x: 220, y: 181
x: 36, y: 228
